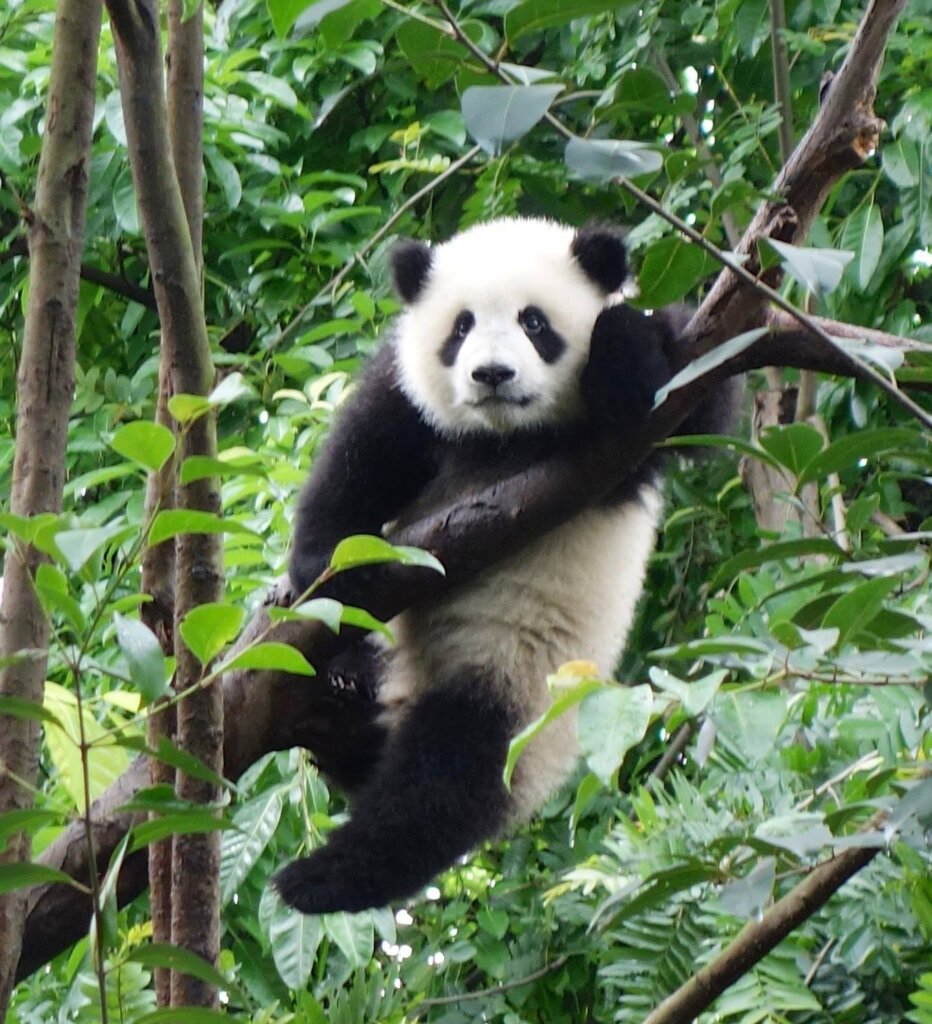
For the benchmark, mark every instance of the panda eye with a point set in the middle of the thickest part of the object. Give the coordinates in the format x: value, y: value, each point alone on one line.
x: 532, y: 320
x: 463, y: 324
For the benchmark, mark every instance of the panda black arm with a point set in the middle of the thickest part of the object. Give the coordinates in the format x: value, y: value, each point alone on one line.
x: 632, y: 355
x: 375, y: 462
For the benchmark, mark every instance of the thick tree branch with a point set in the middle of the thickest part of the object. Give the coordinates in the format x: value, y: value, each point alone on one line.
x: 471, y: 533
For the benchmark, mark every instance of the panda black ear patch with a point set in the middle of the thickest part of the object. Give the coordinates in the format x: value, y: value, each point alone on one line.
x: 410, y: 263
x: 601, y: 252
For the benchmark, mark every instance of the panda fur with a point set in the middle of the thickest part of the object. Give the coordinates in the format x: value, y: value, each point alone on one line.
x: 512, y: 345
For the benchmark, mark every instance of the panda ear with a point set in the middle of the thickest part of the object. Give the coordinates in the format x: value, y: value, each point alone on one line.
x: 600, y: 251
x: 410, y: 263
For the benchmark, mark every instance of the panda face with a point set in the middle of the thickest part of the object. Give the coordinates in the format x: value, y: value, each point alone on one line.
x: 496, y: 329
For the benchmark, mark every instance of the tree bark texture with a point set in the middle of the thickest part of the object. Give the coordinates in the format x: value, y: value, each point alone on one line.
x: 474, y: 531
x: 195, y: 921
x: 185, y: 93
x: 45, y: 389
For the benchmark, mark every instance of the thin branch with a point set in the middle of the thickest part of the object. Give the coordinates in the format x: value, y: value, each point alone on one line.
x: 112, y: 282
x: 709, y: 164
x: 781, y: 76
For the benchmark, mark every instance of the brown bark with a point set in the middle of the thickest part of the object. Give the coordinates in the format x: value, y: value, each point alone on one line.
x: 45, y: 388
x: 195, y: 923
x: 472, y: 532
x: 185, y: 62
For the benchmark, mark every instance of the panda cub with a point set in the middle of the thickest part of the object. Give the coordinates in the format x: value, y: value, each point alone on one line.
x: 511, y: 346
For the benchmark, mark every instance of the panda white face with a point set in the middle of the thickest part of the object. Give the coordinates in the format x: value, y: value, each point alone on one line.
x: 496, y: 329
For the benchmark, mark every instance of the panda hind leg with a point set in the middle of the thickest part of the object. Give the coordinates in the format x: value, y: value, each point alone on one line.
x: 435, y: 794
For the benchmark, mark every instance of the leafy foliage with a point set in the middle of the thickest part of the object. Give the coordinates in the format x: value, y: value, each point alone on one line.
x: 799, y: 662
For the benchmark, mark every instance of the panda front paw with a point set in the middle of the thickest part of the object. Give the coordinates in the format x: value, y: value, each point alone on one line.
x: 627, y: 366
x: 321, y: 884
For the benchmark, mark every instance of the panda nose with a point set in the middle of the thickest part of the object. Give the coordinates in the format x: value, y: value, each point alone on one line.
x: 492, y: 374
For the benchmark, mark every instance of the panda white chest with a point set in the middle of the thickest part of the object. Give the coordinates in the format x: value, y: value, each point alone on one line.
x: 569, y: 595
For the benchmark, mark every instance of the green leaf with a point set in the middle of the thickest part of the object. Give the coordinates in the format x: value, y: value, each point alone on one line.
x: 52, y: 588
x: 28, y: 819
x: 180, y: 823
x: 104, y: 761
x: 793, y: 446
x: 857, y: 449
x: 863, y: 233
x: 208, y: 628
x: 366, y: 549
x: 78, y: 546
x: 435, y: 56
x: 711, y: 360
x: 747, y: 897
x: 858, y: 607
x: 18, y: 707
x: 495, y: 922
x: 670, y: 269
x: 271, y: 655
x: 18, y: 876
x: 611, y: 721
x: 535, y: 15
x: 570, y: 693
x: 496, y: 114
x: 603, y: 160
x: 353, y: 934
x: 233, y: 387
x: 695, y: 696
x: 173, y: 756
x: 752, y: 558
x: 174, y: 958
x: 255, y: 823
x: 149, y: 444
x: 143, y: 653
x: 173, y: 521
x: 818, y: 270
x: 187, y: 408
x: 294, y: 939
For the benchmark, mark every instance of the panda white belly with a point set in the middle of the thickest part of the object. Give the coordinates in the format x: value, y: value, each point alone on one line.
x: 569, y: 595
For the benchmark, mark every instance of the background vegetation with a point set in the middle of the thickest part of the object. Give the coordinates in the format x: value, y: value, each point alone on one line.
x: 804, y: 639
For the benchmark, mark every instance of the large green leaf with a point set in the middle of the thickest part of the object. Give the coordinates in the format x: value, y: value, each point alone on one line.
x: 536, y: 15
x: 611, y: 721
x: 208, y: 628
x: 670, y: 270
x: 496, y: 114
x: 255, y: 823
x: 603, y: 160
x: 149, y: 444
x: 143, y: 653
x: 818, y: 270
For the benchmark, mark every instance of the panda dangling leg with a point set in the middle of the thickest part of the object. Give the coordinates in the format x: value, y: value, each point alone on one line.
x: 436, y: 792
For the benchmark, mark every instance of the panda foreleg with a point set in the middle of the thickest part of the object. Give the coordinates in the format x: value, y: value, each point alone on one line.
x: 436, y: 793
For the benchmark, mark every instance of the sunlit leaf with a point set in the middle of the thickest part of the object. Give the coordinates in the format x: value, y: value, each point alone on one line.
x: 496, y: 114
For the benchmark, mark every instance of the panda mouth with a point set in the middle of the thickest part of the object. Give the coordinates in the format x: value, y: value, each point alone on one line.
x: 521, y: 401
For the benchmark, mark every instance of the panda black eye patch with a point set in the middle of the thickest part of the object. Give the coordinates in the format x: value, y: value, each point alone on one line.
x: 450, y: 349
x: 549, y: 345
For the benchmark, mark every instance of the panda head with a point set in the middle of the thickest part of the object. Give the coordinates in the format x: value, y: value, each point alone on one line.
x: 495, y: 330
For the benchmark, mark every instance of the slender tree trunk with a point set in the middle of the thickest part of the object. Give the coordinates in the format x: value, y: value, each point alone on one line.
x: 195, y: 923
x: 45, y: 389
x: 185, y: 63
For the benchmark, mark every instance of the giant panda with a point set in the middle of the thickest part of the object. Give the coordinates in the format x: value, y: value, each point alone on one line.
x: 512, y: 344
